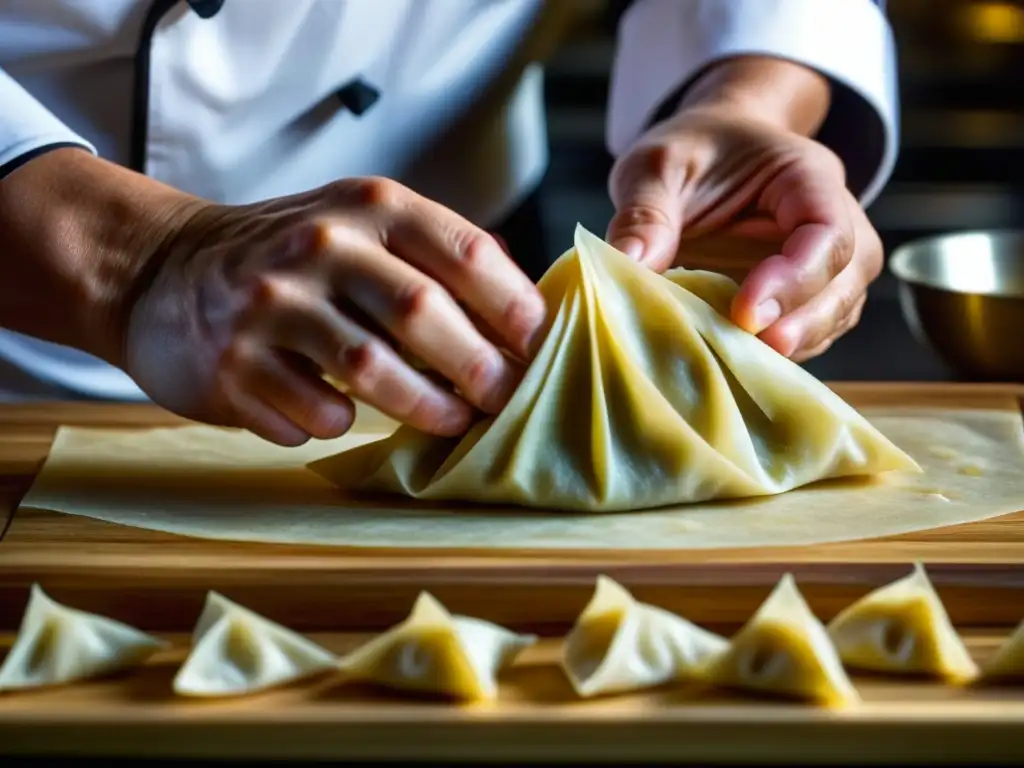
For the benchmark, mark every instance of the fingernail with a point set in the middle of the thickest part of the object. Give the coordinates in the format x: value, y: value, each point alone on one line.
x: 766, y: 313
x: 456, y: 421
x: 632, y: 247
x: 505, y: 390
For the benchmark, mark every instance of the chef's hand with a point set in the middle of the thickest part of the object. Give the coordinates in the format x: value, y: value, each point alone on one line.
x: 245, y: 306
x: 731, y: 161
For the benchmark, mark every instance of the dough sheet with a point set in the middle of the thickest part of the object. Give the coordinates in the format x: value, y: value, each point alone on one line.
x: 223, y: 484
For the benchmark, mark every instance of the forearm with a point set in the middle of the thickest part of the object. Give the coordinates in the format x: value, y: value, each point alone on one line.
x: 784, y: 93
x: 76, y: 235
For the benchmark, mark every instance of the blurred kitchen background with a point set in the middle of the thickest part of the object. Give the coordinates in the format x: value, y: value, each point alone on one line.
x: 961, y: 163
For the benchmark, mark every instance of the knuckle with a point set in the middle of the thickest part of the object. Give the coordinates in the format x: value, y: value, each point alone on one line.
x: 419, y: 409
x: 662, y: 159
x: 419, y: 301
x: 370, y: 191
x: 478, y: 374
x: 471, y: 249
x: 268, y: 291
x: 523, y: 315
x: 364, y: 363
x: 234, y: 357
x: 641, y: 215
x: 841, y: 252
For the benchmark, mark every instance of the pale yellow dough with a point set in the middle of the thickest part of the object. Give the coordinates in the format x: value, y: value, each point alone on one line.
x: 902, y: 628
x: 231, y: 485
x: 236, y: 652
x: 619, y: 644
x: 1006, y: 665
x: 434, y: 652
x: 784, y: 651
x: 643, y: 394
x: 57, y: 645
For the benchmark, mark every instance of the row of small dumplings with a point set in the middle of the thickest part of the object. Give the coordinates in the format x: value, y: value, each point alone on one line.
x: 617, y: 645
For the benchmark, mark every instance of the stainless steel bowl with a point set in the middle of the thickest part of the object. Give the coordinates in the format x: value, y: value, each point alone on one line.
x: 963, y: 295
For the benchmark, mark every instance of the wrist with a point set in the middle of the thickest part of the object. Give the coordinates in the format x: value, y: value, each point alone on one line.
x: 782, y: 93
x: 80, y: 234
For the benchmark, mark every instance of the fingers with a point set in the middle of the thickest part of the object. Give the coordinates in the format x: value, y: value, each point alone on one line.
x: 374, y: 372
x: 812, y: 256
x: 467, y: 261
x: 359, y: 268
x: 418, y: 312
x: 647, y: 190
x: 307, y: 401
x: 813, y: 210
x: 245, y: 409
x: 801, y: 334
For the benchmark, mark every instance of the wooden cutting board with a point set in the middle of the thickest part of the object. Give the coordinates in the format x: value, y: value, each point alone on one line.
x: 536, y: 718
x: 158, y: 581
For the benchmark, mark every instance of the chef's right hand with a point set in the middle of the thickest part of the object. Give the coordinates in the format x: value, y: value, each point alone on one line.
x: 244, y: 307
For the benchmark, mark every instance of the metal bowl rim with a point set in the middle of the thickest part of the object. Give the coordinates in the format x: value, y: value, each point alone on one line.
x: 897, y: 260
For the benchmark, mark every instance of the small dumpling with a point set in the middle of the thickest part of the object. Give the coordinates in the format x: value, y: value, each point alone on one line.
x: 619, y: 644
x: 785, y: 651
x: 434, y: 652
x: 1007, y: 663
x: 58, y: 645
x: 237, y: 652
x: 902, y: 628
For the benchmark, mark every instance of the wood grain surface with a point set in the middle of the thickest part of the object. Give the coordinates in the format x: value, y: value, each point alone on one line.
x: 537, y: 717
x: 158, y: 581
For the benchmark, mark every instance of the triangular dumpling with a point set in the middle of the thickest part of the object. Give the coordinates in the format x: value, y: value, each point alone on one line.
x: 643, y: 394
x: 57, y: 644
x: 783, y: 650
x: 434, y: 652
x: 1007, y: 663
x: 619, y: 644
x: 904, y: 628
x: 236, y: 652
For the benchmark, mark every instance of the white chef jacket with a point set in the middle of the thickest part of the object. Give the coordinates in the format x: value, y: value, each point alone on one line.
x: 243, y: 100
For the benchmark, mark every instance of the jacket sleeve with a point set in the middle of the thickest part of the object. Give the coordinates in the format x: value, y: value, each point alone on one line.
x: 664, y: 44
x: 28, y: 129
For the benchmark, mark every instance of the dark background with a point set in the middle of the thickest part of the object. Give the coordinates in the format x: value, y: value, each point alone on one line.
x: 961, y: 163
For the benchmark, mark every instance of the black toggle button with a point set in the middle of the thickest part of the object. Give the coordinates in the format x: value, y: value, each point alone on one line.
x: 206, y: 9
x: 357, y: 96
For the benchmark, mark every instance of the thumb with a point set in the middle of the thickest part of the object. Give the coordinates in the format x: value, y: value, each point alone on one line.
x: 648, y: 222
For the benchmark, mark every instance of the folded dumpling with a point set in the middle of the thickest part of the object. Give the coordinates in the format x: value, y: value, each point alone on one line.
x: 434, y: 652
x: 1007, y: 663
x: 902, y: 628
x: 236, y: 652
x: 643, y: 394
x: 785, y: 651
x: 57, y: 645
x: 619, y: 644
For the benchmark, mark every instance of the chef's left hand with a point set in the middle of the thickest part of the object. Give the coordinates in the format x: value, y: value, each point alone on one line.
x: 711, y: 170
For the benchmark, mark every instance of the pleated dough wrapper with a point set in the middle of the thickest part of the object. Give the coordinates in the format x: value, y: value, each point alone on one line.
x: 784, y: 651
x: 1006, y: 665
x: 902, y: 628
x: 619, y: 644
x: 57, y: 645
x: 236, y: 652
x: 435, y: 652
x: 643, y: 394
